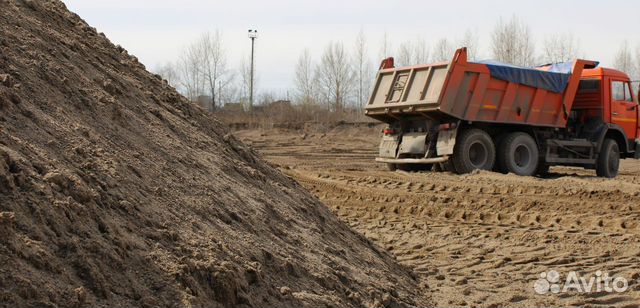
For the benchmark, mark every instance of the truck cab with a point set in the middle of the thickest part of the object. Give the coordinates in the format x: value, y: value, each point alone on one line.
x: 605, y: 96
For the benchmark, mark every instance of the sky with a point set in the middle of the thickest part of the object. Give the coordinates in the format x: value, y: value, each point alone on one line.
x: 157, y: 31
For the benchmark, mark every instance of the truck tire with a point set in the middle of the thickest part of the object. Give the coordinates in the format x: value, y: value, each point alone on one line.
x: 518, y: 153
x: 609, y: 159
x: 474, y: 150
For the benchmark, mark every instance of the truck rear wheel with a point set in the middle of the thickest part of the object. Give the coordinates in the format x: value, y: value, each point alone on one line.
x: 609, y: 159
x: 518, y: 153
x: 474, y: 150
x: 392, y: 167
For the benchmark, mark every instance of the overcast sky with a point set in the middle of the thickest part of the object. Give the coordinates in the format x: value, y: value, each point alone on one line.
x: 156, y: 31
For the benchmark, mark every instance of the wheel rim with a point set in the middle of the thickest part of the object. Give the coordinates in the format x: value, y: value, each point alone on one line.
x: 522, y: 156
x: 478, y: 154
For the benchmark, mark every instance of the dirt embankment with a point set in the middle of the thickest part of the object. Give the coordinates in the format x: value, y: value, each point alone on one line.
x: 116, y: 191
x: 481, y: 239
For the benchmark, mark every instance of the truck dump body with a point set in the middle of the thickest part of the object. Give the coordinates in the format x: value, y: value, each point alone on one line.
x: 477, y: 92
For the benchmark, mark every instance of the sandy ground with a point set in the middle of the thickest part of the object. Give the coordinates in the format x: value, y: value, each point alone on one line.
x: 480, y: 239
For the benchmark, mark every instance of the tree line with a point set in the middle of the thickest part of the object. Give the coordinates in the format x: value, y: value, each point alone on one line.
x: 342, y: 76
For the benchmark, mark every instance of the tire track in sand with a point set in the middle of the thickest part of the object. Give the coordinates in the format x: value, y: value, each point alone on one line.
x: 481, y: 239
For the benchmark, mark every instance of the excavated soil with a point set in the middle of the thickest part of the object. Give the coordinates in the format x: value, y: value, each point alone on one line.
x: 117, y: 192
x: 481, y: 239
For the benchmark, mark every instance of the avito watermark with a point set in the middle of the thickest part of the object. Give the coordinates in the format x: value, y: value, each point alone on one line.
x: 552, y: 282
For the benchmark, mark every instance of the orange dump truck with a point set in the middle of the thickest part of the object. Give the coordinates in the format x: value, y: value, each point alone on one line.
x: 460, y: 116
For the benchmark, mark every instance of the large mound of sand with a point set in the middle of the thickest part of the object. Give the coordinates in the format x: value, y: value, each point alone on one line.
x: 116, y: 191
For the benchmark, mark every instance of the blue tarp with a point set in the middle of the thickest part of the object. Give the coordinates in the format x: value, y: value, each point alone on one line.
x: 554, y: 80
x: 564, y: 67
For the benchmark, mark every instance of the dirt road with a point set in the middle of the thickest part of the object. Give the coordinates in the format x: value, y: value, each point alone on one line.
x: 481, y: 239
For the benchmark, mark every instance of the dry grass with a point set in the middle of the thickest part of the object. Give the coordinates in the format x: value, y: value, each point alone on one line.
x: 288, y: 116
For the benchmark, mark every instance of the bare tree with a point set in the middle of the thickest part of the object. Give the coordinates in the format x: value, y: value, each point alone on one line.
x: 189, y: 65
x: 362, y: 67
x: 421, y: 51
x: 334, y: 76
x: 624, y: 59
x: 413, y: 52
x: 624, y: 62
x: 470, y: 40
x: 214, y: 65
x: 385, y: 48
x: 244, y: 82
x: 225, y: 91
x: 638, y: 61
x: 168, y: 72
x: 636, y: 78
x: 443, y: 50
x: 512, y: 43
x: 304, y: 79
x: 560, y: 48
x: 267, y: 97
x: 243, y: 86
x: 405, y: 54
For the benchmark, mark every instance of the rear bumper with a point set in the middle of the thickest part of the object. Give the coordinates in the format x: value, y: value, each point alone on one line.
x: 413, y: 160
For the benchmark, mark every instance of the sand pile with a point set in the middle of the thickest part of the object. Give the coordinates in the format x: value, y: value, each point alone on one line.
x: 116, y: 191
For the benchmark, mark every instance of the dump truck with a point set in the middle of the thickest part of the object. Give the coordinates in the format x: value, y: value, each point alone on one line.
x: 461, y: 116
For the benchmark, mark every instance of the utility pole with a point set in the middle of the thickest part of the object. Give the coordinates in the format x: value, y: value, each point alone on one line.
x: 253, y: 34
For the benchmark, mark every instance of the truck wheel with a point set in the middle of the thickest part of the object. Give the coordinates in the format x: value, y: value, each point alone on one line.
x: 518, y: 153
x: 474, y: 150
x: 392, y: 167
x: 608, y: 160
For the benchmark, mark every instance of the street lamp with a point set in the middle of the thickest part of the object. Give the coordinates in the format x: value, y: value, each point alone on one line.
x: 253, y: 35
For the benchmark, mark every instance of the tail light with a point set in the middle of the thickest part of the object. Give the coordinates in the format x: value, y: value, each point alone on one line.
x: 389, y: 131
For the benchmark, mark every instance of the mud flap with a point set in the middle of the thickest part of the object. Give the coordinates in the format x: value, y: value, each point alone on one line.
x: 446, y: 142
x: 389, y: 146
x: 413, y: 143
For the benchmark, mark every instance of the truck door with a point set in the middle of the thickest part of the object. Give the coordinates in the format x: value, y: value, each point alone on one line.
x: 624, y: 111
